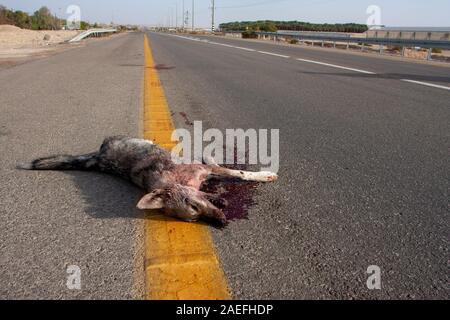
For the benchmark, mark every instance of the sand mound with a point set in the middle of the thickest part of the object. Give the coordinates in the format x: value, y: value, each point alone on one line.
x: 8, y: 28
x: 14, y: 37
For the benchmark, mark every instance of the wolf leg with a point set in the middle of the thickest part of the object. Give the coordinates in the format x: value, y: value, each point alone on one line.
x: 263, y: 176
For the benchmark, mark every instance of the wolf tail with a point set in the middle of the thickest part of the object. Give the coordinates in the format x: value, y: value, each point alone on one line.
x: 63, y: 162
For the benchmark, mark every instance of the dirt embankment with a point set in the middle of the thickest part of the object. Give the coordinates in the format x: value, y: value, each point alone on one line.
x: 14, y: 37
x: 16, y: 42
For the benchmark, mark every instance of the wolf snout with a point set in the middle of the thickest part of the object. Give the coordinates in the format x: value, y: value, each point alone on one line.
x: 216, y: 217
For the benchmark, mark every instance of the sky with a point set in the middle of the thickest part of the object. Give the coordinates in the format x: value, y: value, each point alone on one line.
x: 403, y: 13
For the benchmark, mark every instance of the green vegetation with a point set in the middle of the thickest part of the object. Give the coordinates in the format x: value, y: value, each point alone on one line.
x: 84, y: 25
x: 436, y: 50
x: 123, y: 28
x: 273, y: 26
x: 42, y: 19
x: 249, y: 35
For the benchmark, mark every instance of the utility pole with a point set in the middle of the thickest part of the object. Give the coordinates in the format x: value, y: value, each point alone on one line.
x: 176, y: 16
x: 183, y: 17
x: 213, y: 15
x: 60, y: 18
x: 193, y: 15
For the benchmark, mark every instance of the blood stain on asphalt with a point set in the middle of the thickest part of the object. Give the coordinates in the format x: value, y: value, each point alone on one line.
x: 186, y: 119
x: 239, y: 194
x: 163, y: 67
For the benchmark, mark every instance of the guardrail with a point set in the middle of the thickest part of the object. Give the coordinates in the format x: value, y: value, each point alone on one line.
x: 92, y: 32
x: 429, y: 44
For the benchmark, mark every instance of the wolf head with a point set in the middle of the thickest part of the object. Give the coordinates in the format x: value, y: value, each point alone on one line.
x: 185, y: 203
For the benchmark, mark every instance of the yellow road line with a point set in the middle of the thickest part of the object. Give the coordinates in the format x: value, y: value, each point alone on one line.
x: 180, y: 262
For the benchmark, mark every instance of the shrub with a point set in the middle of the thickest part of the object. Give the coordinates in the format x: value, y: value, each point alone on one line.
x: 293, y: 41
x: 436, y: 50
x: 249, y: 35
x: 396, y: 48
x: 267, y: 27
x: 84, y: 25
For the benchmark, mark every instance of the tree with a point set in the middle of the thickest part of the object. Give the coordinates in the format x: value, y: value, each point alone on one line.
x: 4, y: 15
x: 22, y: 19
x: 84, y: 25
x: 43, y: 20
x: 273, y: 26
x: 268, y: 27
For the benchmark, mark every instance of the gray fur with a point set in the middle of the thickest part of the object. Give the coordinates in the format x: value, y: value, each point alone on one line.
x: 173, y: 188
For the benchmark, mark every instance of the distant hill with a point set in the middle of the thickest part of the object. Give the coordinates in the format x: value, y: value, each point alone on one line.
x: 273, y: 26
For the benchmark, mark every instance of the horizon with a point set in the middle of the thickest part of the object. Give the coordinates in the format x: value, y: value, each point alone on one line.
x: 154, y: 13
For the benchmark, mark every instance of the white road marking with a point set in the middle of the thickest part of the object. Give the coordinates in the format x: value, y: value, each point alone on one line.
x: 246, y: 49
x: 221, y: 44
x: 336, y: 66
x: 426, y: 84
x: 274, y: 54
x: 188, y: 38
x: 225, y: 45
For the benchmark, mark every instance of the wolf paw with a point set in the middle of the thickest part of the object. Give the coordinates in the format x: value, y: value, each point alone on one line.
x: 268, y: 176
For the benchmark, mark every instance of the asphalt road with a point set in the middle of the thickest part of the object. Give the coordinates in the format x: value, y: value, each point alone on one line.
x: 364, y: 172
x: 68, y: 103
x: 386, y: 66
x: 364, y: 176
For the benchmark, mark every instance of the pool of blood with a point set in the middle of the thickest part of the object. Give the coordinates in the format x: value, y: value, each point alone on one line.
x: 239, y: 194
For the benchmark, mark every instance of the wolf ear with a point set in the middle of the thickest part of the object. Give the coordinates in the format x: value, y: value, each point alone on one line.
x: 152, y: 201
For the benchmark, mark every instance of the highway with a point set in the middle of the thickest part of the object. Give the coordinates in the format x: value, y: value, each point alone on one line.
x: 364, y: 168
x: 69, y: 103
